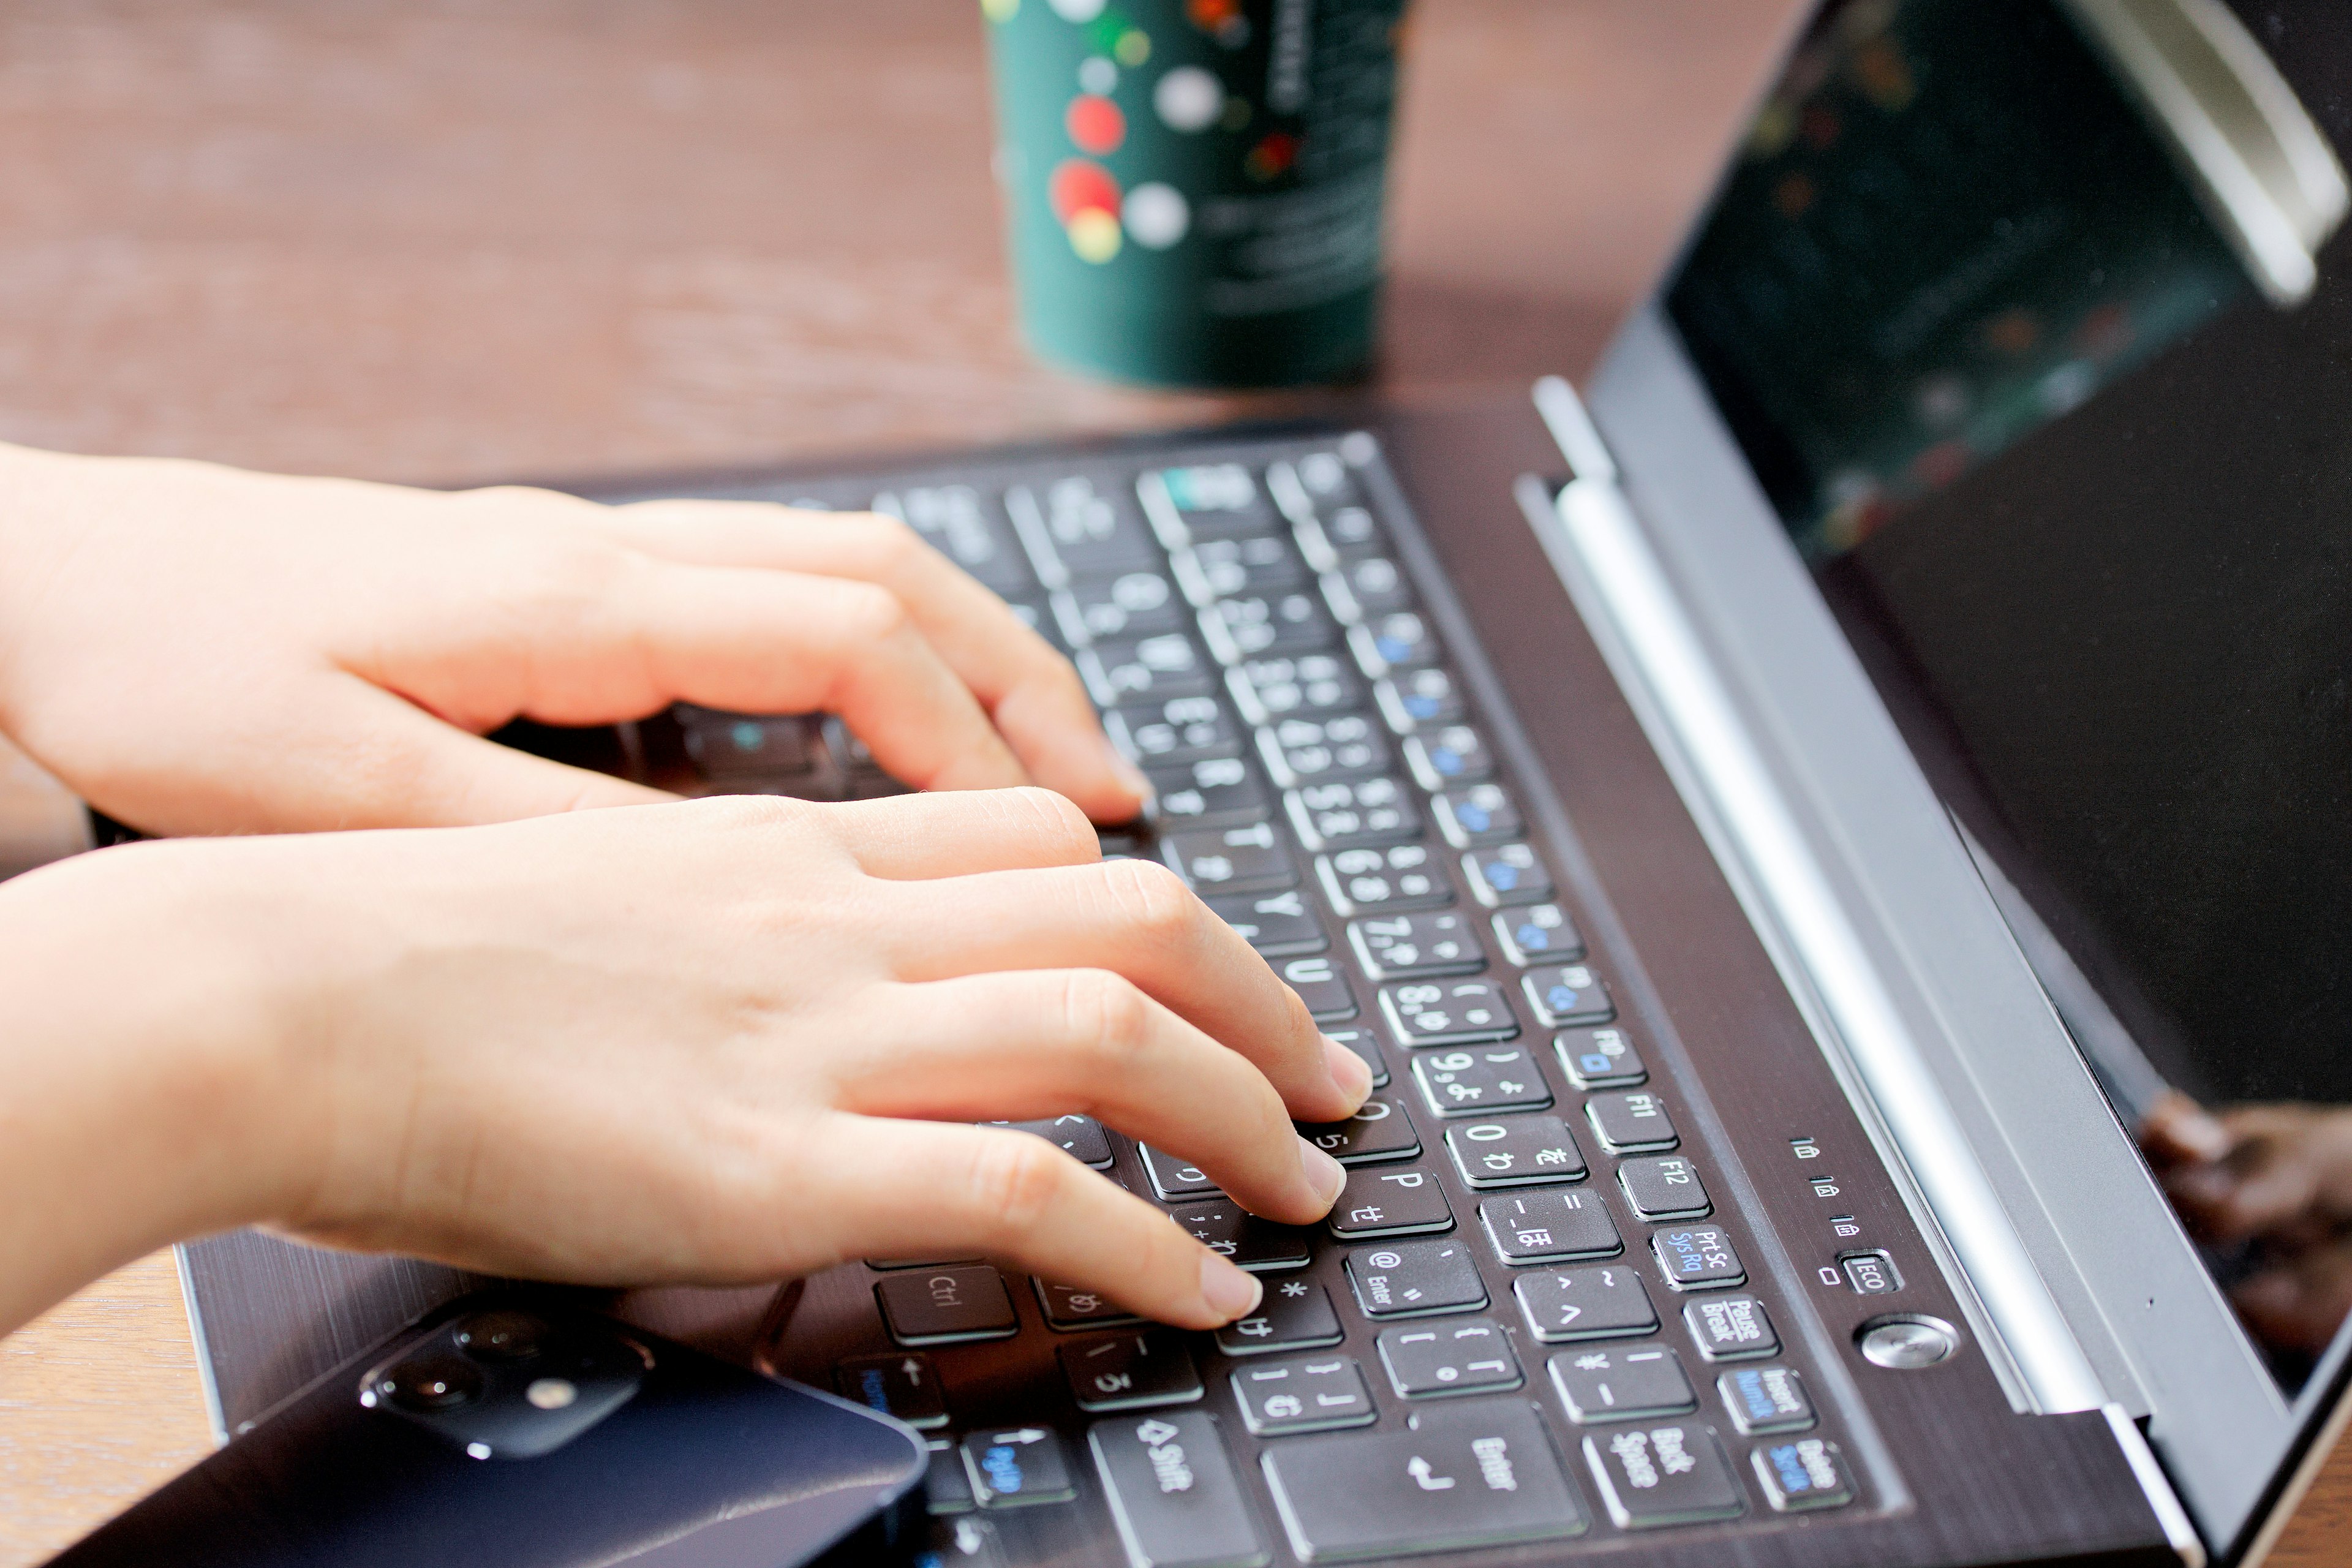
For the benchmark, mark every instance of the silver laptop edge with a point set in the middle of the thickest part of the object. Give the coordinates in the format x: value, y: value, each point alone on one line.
x: 2083, y: 1290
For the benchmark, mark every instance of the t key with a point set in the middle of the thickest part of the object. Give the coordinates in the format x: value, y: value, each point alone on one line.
x: 1234, y: 860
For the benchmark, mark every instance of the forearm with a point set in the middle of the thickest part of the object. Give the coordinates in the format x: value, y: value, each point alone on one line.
x: 137, y: 1078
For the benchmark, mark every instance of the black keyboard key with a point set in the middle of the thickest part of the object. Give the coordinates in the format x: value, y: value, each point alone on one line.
x: 1210, y: 501
x: 1130, y: 1371
x: 1312, y: 1393
x: 1240, y: 567
x: 1806, y: 1473
x: 1149, y: 669
x: 1415, y: 1279
x: 1308, y: 751
x: 1387, y: 644
x: 1367, y: 588
x: 1016, y: 1467
x: 1506, y: 874
x: 1478, y: 813
x: 1698, y: 1257
x: 1416, y: 946
x: 1442, y: 759
x: 1296, y: 1315
x: 1730, y: 1328
x: 1346, y: 531
x: 1550, y: 1225
x: 1412, y: 698
x: 1389, y: 1203
x: 1218, y: 791
x: 1515, y: 1151
x: 1481, y: 1082
x: 1039, y: 617
x: 1663, y: 1187
x: 1243, y: 1238
x: 1130, y: 605
x: 1275, y: 625
x: 1765, y: 1399
x: 1476, y: 1473
x: 1277, y: 924
x: 1309, y: 687
x: 1067, y: 1308
x: 1174, y: 1180
x: 947, y: 1306
x: 1180, y: 729
x: 1325, y: 482
x: 1174, y: 1494
x: 946, y: 1487
x: 902, y: 1386
x: 1569, y: 1304
x: 1672, y: 1473
x: 1378, y: 1133
x: 1377, y: 881
x: 1250, y: 859
x: 1633, y: 1123
x: 1080, y: 1137
x: 1633, y: 1384
x: 1083, y: 528
x: 1366, y: 1046
x: 1599, y: 1058
x: 965, y: 527
x: 1565, y: 995
x: 1432, y: 1361
x: 1353, y: 814
x: 1324, y: 989
x: 1542, y: 933
x: 1448, y: 1012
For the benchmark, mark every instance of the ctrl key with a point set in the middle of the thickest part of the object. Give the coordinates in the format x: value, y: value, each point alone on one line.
x: 946, y: 1305
x: 1473, y: 1473
x: 1173, y: 1493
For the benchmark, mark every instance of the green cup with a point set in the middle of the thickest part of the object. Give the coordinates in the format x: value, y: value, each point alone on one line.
x: 1194, y: 187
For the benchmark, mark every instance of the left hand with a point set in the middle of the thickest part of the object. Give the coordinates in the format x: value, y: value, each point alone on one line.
x: 196, y: 649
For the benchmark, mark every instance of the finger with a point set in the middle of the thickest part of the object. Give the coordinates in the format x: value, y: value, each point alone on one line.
x: 2261, y: 1187
x: 1023, y: 1046
x: 2298, y: 1304
x: 1030, y: 691
x: 907, y: 837
x: 2177, y: 1131
x: 1136, y: 918
x: 367, y: 759
x: 925, y: 1190
x: 775, y: 642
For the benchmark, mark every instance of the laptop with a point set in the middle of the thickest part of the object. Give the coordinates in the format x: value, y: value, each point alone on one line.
x: 1836, y: 843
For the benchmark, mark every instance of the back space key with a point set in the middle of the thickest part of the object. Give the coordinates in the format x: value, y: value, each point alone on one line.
x: 1173, y: 1493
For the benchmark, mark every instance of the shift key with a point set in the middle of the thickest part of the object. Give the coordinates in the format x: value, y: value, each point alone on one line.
x: 1173, y: 1493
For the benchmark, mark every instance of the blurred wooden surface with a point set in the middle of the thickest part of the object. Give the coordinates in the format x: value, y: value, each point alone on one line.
x: 444, y: 240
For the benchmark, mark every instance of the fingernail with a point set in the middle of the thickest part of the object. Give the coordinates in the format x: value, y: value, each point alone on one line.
x: 1324, y: 1174
x: 1230, y: 1292
x: 1129, y: 774
x: 1350, y: 1073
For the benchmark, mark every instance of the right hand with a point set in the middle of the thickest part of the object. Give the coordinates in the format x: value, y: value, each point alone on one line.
x: 734, y: 1040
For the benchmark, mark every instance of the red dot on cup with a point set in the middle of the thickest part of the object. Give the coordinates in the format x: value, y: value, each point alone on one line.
x: 1079, y: 186
x: 1095, y: 125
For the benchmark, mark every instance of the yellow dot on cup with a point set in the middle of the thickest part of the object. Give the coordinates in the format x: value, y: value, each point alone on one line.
x: 1094, y: 235
x: 1000, y: 10
x: 1134, y: 47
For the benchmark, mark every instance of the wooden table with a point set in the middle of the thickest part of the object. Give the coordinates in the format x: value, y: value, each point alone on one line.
x: 485, y: 237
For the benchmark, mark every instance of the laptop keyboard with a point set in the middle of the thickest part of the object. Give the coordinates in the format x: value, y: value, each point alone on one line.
x: 1526, y: 1319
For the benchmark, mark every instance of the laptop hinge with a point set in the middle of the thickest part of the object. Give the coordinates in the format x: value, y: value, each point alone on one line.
x: 1662, y: 664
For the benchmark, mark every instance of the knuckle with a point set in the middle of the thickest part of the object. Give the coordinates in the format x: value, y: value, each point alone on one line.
x: 870, y: 615
x: 1015, y: 1182
x: 893, y: 543
x: 1063, y: 826
x: 1104, y: 1013
x: 1152, y: 901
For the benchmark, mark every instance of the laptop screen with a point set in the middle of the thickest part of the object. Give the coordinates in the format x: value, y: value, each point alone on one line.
x: 2013, y: 310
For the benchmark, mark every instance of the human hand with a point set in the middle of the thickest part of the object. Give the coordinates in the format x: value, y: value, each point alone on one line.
x: 722, y: 1042
x: 194, y: 649
x: 2278, y: 1175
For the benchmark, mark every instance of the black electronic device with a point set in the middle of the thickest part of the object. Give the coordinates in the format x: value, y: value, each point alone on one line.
x: 513, y: 1431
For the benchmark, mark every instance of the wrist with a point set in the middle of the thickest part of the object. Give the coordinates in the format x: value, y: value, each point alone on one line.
x: 145, y: 1089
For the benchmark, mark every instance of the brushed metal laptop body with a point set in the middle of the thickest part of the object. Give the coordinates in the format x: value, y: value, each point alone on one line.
x: 1755, y: 1176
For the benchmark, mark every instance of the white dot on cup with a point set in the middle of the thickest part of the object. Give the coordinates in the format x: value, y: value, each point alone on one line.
x: 1157, y: 216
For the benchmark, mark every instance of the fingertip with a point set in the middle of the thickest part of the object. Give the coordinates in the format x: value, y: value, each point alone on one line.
x: 1227, y: 1292
x: 1351, y: 1074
